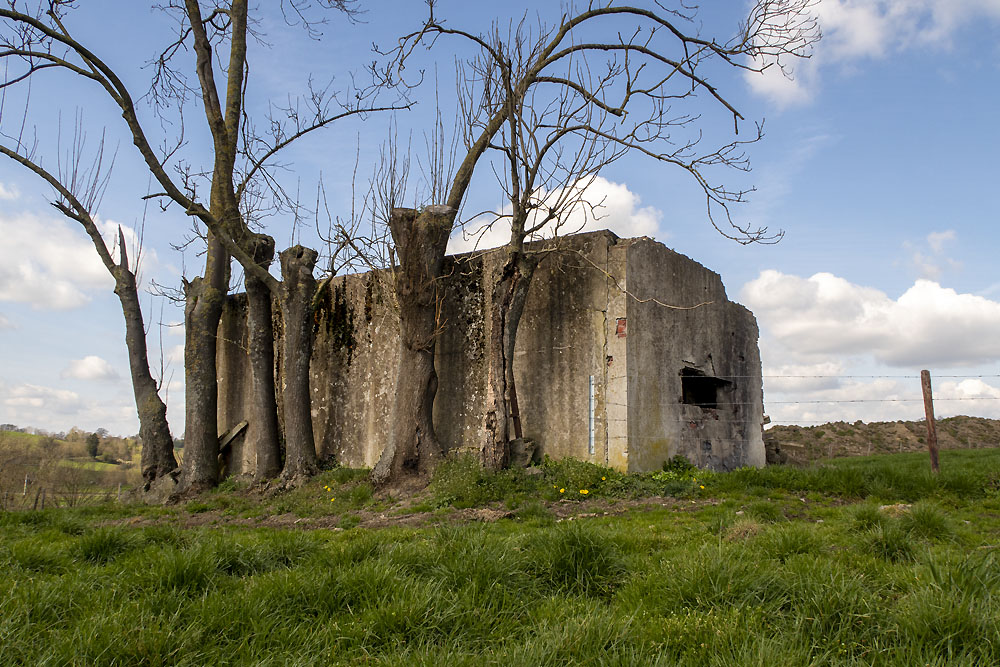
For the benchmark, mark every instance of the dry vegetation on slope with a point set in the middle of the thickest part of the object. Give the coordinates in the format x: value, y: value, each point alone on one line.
x: 801, y: 444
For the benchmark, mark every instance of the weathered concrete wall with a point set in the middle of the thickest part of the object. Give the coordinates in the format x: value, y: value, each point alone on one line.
x: 561, y: 346
x: 234, y: 383
x: 596, y: 370
x: 707, y: 333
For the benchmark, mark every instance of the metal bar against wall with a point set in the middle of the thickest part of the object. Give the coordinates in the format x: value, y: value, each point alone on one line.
x: 590, y: 441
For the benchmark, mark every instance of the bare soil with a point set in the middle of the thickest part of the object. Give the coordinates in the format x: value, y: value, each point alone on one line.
x: 565, y: 510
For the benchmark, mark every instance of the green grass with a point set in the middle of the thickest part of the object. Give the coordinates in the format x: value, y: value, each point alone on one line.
x: 773, y: 567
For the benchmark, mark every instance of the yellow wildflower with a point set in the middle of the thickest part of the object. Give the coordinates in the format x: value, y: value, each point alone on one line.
x: 584, y: 491
x: 332, y: 499
x: 703, y: 486
x: 561, y: 490
x: 603, y: 478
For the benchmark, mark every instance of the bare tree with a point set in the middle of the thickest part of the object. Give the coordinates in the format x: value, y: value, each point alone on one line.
x: 78, y: 193
x: 243, y: 187
x: 558, y: 104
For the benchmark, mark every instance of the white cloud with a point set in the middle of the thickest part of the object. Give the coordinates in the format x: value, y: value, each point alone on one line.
x: 799, y: 378
x: 90, y: 368
x: 836, y: 351
x: 936, y: 240
x: 932, y: 262
x: 611, y: 206
x: 790, y: 89
x: 35, y: 398
x: 970, y: 396
x: 854, y: 30
x: 879, y: 399
x: 8, y: 192
x: 991, y: 290
x: 47, y: 263
x: 875, y: 399
x: 824, y: 315
x: 59, y: 409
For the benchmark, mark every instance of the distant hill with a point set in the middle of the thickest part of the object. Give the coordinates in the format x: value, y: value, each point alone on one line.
x: 801, y: 444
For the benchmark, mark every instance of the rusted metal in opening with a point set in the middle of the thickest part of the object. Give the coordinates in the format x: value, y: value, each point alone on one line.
x: 620, y: 327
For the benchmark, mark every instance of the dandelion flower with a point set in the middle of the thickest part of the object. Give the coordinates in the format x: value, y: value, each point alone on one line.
x: 603, y: 478
x: 332, y: 499
x: 703, y: 486
x: 561, y: 490
x: 584, y: 491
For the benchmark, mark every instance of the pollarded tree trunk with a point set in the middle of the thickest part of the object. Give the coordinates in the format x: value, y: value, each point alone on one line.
x: 263, y: 415
x: 157, y: 457
x: 202, y: 311
x: 510, y: 292
x: 421, y: 238
x: 298, y: 288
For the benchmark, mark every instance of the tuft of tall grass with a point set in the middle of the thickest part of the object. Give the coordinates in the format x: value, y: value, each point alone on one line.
x: 766, y: 511
x: 889, y: 541
x: 926, y: 519
x: 783, y: 541
x: 181, y: 571
x: 867, y: 517
x: 104, y: 545
x: 40, y: 555
x: 577, y: 557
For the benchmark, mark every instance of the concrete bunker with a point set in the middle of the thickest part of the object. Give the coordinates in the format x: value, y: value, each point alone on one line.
x: 627, y: 354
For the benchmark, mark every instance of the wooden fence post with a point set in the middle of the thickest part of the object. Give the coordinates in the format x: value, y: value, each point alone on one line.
x: 932, y: 447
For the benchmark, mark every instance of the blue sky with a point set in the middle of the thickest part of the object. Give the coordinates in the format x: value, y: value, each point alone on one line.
x: 878, y: 164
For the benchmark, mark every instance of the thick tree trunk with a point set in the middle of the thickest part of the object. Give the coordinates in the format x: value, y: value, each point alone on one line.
x: 157, y: 457
x: 298, y: 289
x: 510, y: 292
x: 202, y: 311
x: 421, y: 238
x: 263, y: 415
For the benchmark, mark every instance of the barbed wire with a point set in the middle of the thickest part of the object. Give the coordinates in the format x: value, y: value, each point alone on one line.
x: 816, y: 401
x: 866, y: 377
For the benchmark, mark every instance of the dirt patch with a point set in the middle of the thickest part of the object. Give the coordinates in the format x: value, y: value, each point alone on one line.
x: 564, y: 510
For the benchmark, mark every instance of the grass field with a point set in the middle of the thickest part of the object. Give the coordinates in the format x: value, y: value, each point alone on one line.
x: 862, y: 561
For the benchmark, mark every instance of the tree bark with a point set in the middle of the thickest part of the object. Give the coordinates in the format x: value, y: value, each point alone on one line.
x: 263, y: 415
x: 202, y: 311
x: 298, y: 288
x: 421, y: 238
x: 157, y: 457
x: 510, y: 292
